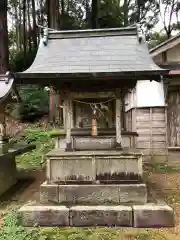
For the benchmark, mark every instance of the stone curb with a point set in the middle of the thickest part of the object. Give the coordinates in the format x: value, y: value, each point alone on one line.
x: 82, y: 216
x: 147, y: 216
x: 155, y: 216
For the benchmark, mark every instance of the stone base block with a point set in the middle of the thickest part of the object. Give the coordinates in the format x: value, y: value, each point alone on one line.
x: 150, y: 215
x: 82, y: 216
x: 146, y: 216
x: 49, y: 193
x: 89, y: 194
x: 44, y: 215
x: 93, y: 194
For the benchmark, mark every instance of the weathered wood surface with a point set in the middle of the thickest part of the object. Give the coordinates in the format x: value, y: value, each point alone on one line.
x: 118, y: 118
x: 2, y: 122
x: 69, y: 120
x: 173, y: 118
x: 150, y: 124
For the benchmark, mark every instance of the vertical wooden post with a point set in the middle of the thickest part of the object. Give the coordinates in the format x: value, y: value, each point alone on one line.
x: 166, y: 133
x: 64, y: 114
x: 68, y: 110
x: 2, y: 123
x: 151, y: 133
x: 3, y: 143
x: 51, y: 104
x: 110, y: 112
x: 118, y: 119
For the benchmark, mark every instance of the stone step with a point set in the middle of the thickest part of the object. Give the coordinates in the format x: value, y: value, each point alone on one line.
x: 89, y: 216
x: 93, y: 194
x: 94, y: 165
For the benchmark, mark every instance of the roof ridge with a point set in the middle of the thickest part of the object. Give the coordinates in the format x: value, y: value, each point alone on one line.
x: 89, y: 33
x: 51, y: 31
x: 164, y: 43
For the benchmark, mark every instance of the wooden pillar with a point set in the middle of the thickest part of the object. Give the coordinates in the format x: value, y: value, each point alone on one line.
x: 64, y: 114
x: 68, y: 110
x: 118, y: 120
x: 3, y: 140
x: 2, y: 123
x: 51, y: 105
x: 110, y: 113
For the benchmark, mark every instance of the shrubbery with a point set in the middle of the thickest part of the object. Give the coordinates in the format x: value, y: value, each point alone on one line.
x: 12, y: 230
x: 35, y: 102
x: 39, y: 137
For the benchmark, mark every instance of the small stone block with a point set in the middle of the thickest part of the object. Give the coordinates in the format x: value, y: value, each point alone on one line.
x: 94, y: 194
x: 49, y: 193
x: 151, y: 216
x: 44, y: 215
x: 84, y: 216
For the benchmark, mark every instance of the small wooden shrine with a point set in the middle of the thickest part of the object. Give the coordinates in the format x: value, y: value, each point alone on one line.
x: 94, y: 176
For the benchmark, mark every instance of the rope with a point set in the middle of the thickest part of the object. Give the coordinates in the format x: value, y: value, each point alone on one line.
x: 92, y: 103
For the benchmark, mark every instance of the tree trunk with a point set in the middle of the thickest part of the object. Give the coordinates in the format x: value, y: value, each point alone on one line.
x: 4, y: 55
x: 24, y: 28
x: 94, y: 15
x: 17, y: 24
x: 29, y: 27
x: 34, y: 33
x: 87, y: 12
x: 20, y: 26
x: 125, y: 9
x: 52, y: 23
x: 62, y: 15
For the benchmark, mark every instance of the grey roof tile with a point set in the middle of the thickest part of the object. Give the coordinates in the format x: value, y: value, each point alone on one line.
x: 116, y: 51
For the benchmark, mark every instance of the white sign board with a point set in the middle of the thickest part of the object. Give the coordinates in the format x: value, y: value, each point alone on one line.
x: 149, y: 94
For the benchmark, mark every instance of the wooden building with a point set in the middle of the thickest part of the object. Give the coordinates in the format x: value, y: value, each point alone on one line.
x: 167, y: 55
x: 112, y: 114
x: 110, y: 67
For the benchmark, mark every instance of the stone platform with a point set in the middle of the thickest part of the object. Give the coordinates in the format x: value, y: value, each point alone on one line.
x: 96, y: 188
x: 147, y: 216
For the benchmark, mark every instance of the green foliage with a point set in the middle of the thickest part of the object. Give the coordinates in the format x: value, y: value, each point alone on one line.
x: 18, y: 61
x: 160, y: 167
x: 11, y: 229
x: 43, y: 141
x: 156, y: 38
x: 34, y: 103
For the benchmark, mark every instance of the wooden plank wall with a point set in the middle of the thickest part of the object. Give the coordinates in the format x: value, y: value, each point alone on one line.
x: 150, y: 124
x: 173, y: 118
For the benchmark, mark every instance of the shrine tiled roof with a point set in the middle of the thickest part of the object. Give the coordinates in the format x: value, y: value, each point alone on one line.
x: 7, y: 88
x: 119, y: 50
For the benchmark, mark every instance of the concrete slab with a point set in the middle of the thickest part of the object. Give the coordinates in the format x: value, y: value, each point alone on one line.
x: 84, y: 216
x: 151, y: 216
x: 49, y: 193
x: 44, y: 215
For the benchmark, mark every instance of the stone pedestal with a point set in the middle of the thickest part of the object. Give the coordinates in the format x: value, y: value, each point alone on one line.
x: 95, y: 188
